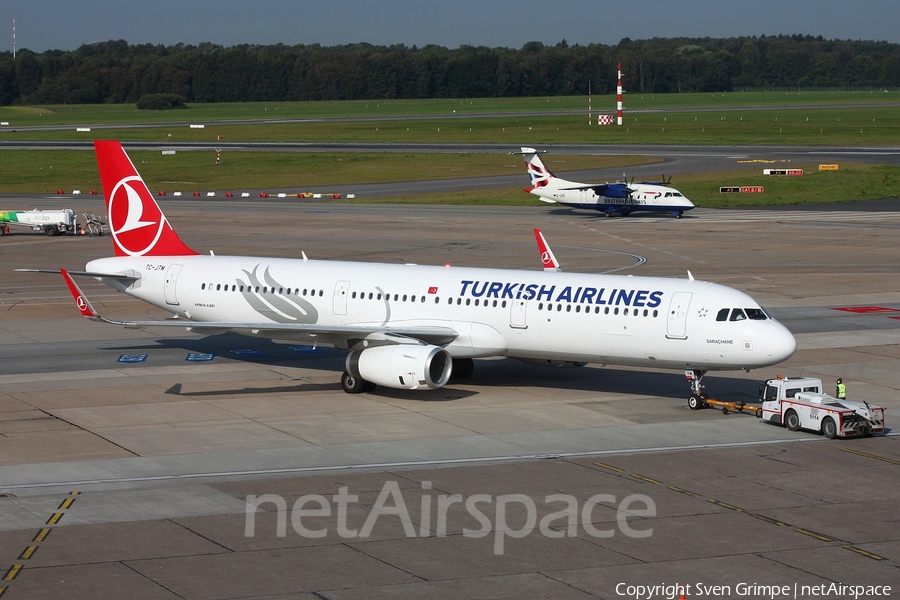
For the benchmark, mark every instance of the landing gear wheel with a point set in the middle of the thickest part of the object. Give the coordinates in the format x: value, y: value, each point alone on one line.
x: 829, y: 429
x: 695, y: 402
x: 463, y: 367
x: 792, y: 420
x: 354, y: 385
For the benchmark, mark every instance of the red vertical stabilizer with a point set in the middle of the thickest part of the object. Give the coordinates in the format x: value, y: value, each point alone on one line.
x: 137, y: 225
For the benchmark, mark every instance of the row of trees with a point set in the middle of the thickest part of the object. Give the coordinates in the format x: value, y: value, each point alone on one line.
x: 117, y: 72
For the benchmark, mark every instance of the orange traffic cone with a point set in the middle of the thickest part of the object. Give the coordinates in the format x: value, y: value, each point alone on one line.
x: 681, y: 595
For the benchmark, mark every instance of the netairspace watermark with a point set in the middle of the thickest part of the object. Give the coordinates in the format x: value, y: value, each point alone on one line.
x: 481, y: 507
x: 750, y: 590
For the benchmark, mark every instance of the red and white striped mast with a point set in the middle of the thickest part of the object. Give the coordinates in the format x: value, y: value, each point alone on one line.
x: 619, y: 96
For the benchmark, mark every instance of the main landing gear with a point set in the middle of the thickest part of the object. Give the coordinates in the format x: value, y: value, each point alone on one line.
x: 355, y: 385
x: 463, y: 368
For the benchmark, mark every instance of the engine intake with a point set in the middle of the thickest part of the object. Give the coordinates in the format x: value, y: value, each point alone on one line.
x: 402, y: 366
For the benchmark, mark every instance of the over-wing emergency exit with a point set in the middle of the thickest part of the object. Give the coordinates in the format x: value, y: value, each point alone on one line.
x: 411, y: 326
x: 609, y: 198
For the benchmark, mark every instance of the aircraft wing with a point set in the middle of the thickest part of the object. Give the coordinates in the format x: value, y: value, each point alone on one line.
x: 611, y: 190
x: 342, y: 336
x: 604, y: 190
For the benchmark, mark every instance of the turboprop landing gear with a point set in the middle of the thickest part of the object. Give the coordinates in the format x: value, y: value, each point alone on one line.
x: 697, y: 399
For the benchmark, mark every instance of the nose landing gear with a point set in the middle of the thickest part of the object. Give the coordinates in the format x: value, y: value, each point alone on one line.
x: 697, y: 399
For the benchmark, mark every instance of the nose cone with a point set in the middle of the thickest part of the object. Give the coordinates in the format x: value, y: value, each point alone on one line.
x: 780, y: 343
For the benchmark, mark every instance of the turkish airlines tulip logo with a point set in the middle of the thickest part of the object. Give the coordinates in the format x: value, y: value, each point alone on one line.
x: 135, y: 225
x: 545, y: 258
x: 81, y: 303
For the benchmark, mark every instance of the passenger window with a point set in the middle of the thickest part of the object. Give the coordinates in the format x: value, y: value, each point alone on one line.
x: 791, y: 393
x: 738, y: 315
x: 722, y: 315
x: 814, y: 389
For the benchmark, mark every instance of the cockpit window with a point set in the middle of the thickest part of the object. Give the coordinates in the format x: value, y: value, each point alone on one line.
x: 756, y: 314
x: 737, y: 314
x: 677, y: 195
x: 668, y: 194
x: 722, y: 314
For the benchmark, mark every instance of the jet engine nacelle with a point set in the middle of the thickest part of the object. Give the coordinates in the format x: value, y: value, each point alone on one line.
x: 402, y: 366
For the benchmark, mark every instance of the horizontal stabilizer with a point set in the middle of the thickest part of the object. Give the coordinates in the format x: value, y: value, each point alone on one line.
x: 130, y: 276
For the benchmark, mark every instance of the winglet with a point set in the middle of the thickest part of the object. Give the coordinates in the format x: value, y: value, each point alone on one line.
x: 81, y: 301
x: 547, y: 259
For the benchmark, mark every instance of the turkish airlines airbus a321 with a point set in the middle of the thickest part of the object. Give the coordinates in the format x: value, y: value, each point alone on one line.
x: 411, y: 326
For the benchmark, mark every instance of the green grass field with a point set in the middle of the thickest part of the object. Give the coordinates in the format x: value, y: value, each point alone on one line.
x: 758, y: 118
x: 868, y: 126
x: 78, y: 114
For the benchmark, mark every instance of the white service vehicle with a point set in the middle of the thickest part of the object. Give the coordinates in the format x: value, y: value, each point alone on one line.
x: 51, y: 222
x: 799, y: 403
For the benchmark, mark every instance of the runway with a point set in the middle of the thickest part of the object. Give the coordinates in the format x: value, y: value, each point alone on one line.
x: 140, y: 469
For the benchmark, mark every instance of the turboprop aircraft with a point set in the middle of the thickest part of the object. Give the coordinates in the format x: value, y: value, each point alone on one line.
x: 608, y: 198
x: 411, y: 326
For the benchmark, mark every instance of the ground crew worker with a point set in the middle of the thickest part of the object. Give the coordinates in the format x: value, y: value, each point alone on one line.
x: 841, y: 389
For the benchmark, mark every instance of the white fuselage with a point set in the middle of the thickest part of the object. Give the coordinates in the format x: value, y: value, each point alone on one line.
x: 613, y: 319
x: 643, y: 197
